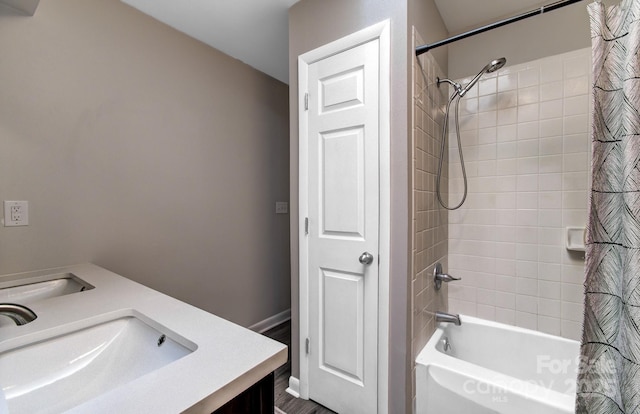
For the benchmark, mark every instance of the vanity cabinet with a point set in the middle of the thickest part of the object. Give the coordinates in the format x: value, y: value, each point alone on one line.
x: 258, y: 399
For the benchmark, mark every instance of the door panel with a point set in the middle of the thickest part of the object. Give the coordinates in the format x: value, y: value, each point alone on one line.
x: 342, y: 179
x: 342, y: 90
x: 342, y: 324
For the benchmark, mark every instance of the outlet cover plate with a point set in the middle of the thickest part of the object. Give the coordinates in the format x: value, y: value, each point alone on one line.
x: 16, y: 213
x: 282, y: 207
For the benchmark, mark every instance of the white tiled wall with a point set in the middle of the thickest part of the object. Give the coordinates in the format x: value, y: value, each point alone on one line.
x: 525, y: 136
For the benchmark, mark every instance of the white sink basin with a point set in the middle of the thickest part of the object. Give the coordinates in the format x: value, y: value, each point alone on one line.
x: 54, y: 374
x: 33, y: 289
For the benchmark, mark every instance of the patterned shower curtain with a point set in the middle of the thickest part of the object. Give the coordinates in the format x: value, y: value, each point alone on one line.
x: 609, y: 375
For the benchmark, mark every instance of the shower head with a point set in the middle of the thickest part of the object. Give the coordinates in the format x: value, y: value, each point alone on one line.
x: 490, y: 67
x: 495, y: 65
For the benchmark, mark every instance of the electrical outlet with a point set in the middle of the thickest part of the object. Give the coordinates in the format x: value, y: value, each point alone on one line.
x: 282, y: 207
x: 16, y: 213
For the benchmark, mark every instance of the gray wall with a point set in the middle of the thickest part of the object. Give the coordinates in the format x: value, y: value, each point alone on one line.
x: 424, y: 15
x: 552, y: 33
x: 146, y: 152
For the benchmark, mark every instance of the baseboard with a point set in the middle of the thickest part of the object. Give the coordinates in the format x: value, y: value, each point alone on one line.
x: 271, y: 321
x: 294, y: 387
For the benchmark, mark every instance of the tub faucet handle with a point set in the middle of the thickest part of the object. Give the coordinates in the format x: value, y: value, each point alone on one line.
x: 439, y: 277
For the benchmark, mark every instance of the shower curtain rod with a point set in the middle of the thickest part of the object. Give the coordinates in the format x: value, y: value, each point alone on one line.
x: 543, y: 9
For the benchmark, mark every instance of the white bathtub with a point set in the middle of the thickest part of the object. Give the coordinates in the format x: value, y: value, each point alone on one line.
x: 495, y: 368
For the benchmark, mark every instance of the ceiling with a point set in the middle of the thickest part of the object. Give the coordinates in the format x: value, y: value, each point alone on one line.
x: 253, y: 31
x: 256, y: 31
x: 27, y: 7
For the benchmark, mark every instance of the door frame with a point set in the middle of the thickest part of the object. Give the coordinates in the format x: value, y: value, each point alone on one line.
x: 380, y: 31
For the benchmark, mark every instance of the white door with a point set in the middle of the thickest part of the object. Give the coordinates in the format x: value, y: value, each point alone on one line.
x: 343, y: 211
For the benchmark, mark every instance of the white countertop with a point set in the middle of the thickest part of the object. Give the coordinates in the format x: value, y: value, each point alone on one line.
x: 228, y: 358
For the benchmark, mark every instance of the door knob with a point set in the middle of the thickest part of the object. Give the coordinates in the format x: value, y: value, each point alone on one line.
x: 366, y: 258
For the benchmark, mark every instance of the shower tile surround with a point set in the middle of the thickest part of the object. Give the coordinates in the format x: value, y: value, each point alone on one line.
x: 525, y: 136
x: 429, y: 221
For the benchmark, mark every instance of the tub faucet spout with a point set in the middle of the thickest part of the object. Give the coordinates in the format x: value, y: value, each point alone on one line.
x: 448, y: 318
x: 21, y: 315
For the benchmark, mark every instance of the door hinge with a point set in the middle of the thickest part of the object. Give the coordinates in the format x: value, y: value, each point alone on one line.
x: 307, y: 346
x: 306, y: 225
x: 306, y: 101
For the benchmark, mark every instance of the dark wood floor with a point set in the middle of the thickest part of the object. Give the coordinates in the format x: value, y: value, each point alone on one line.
x: 286, y: 402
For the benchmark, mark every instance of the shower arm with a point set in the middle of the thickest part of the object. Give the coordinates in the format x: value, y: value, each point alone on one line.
x: 455, y: 85
x: 460, y: 90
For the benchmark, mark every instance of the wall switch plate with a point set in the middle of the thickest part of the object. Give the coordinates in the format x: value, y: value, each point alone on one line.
x: 282, y: 207
x: 16, y: 213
